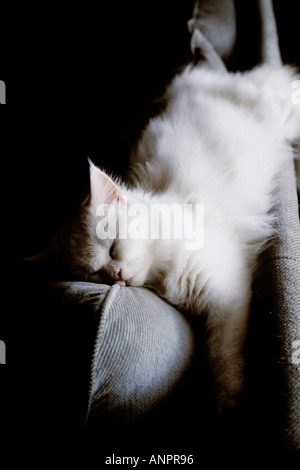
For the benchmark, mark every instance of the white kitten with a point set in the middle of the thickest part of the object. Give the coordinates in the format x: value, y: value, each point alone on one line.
x: 219, y: 143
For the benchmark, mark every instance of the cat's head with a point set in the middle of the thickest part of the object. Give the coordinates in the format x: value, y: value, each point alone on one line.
x: 96, y: 245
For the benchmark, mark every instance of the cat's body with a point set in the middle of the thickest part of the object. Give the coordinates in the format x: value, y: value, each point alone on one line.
x: 220, y: 142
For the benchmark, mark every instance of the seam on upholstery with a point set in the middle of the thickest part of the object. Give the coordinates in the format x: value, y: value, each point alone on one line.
x: 101, y: 325
x: 277, y: 258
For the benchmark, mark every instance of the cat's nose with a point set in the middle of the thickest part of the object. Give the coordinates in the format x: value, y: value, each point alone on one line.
x: 117, y: 275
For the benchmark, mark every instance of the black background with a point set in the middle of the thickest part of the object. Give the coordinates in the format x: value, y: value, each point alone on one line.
x: 79, y: 83
x: 79, y: 80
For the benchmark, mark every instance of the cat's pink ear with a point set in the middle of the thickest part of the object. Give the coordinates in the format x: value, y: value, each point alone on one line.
x: 103, y: 189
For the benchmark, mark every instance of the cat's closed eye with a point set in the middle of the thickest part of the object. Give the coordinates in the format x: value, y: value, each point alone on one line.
x: 98, y: 276
x: 112, y: 250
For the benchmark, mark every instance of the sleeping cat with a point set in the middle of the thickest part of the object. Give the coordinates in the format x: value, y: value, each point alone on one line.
x: 219, y: 143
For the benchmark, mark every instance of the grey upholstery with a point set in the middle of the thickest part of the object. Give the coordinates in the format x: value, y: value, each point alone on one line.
x: 276, y: 316
x: 142, y: 349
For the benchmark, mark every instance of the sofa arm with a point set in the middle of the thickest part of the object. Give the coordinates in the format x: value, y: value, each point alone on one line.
x: 276, y: 320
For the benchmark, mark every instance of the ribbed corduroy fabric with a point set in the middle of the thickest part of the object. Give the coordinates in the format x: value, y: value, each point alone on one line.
x: 277, y: 311
x: 143, y: 348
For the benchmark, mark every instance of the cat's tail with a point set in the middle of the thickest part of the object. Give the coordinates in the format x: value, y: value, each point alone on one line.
x: 270, y: 50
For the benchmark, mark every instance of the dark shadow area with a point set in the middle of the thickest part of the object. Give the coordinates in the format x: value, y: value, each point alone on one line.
x: 93, y: 75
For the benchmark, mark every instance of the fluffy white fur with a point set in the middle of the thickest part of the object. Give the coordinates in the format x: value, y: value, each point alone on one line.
x: 220, y: 141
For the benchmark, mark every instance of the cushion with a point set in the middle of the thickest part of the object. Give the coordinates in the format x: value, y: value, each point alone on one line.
x: 142, y: 349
